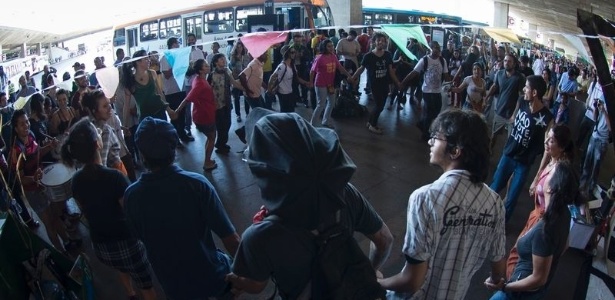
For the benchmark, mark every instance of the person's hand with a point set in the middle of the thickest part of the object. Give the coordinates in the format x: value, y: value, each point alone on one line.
x: 38, y: 175
x: 235, y: 282
x: 126, y: 131
x: 172, y: 114
x: 494, y: 286
x: 379, y: 274
x: 532, y: 188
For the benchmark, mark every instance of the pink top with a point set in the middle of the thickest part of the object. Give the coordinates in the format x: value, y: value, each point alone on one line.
x: 324, y: 66
x: 540, y: 188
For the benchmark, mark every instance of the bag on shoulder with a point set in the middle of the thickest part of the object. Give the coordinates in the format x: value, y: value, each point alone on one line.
x: 274, y: 79
x: 426, y: 62
x: 340, y: 269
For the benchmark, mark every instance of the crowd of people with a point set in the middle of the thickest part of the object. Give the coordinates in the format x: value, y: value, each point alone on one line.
x: 453, y: 224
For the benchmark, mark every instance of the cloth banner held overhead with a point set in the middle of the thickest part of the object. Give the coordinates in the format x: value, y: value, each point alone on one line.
x: 502, y: 35
x: 400, y: 33
x: 258, y: 42
x: 179, y: 60
x: 109, y: 79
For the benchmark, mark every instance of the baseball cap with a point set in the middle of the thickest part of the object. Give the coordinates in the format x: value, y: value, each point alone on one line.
x: 156, y: 139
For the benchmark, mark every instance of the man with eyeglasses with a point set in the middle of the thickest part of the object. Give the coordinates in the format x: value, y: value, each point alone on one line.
x: 456, y: 222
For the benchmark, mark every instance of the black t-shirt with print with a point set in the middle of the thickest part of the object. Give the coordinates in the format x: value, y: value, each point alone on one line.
x: 527, y: 137
x: 378, y: 69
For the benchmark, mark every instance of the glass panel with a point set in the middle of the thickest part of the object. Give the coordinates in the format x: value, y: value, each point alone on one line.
x: 383, y: 19
x: 218, y: 21
x: 242, y: 16
x: 171, y: 27
x: 367, y: 19
x: 119, y: 37
x: 194, y: 25
x: 149, y: 31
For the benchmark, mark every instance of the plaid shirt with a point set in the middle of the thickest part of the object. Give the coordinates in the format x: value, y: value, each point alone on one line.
x: 454, y: 225
x: 110, y: 152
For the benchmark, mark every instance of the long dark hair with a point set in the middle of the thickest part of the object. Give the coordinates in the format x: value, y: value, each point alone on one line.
x: 563, y: 138
x: 195, y: 67
x: 90, y: 101
x: 564, y: 190
x: 37, y: 105
x: 128, y: 78
x: 81, y: 144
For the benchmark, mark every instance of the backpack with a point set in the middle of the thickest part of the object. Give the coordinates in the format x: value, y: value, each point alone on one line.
x: 340, y: 269
x: 425, y: 63
x: 274, y: 80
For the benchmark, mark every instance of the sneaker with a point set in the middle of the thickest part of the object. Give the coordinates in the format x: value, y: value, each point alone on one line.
x: 241, y: 134
x: 374, y: 129
x: 222, y: 150
x: 238, y: 119
x: 400, y: 107
x: 187, y: 138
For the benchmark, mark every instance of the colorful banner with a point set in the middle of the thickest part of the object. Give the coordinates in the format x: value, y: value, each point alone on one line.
x: 502, y: 35
x: 400, y: 33
x: 179, y: 60
x: 258, y: 42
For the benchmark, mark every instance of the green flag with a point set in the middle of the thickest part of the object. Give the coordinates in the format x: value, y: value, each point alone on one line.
x: 400, y: 33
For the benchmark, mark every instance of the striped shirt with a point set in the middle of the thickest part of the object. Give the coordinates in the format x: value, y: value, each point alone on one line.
x: 454, y: 225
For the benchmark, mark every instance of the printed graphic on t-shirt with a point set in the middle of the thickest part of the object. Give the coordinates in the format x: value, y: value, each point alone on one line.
x: 457, y: 220
x: 381, y: 68
x: 521, y: 131
x: 330, y: 67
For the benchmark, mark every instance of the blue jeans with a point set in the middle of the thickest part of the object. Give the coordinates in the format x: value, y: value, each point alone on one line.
x: 507, y: 167
x: 499, y: 295
x: 596, y: 150
x: 323, y: 97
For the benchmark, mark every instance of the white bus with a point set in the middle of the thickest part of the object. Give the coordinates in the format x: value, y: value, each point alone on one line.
x: 213, y: 22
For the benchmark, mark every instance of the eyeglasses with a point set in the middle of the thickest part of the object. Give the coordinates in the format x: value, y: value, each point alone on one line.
x: 434, y: 136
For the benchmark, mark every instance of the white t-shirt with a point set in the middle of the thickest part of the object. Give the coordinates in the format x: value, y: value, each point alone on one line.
x: 169, y: 86
x: 433, y: 75
x: 475, y: 92
x: 286, y: 83
x: 346, y: 46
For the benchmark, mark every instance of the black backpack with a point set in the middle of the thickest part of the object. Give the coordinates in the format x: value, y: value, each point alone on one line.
x: 340, y: 269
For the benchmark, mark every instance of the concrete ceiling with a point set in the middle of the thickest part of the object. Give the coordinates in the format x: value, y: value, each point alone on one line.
x: 558, y: 15
x: 11, y: 37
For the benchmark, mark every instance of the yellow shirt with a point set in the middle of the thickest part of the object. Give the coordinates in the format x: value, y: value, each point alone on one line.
x: 268, y: 65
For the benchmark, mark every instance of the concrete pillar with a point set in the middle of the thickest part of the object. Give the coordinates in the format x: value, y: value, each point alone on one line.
x: 49, y: 53
x: 24, y: 50
x: 532, y: 30
x: 346, y: 12
x: 500, y: 14
x: 39, y: 49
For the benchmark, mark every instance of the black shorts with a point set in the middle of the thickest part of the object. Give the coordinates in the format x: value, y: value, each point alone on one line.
x: 127, y: 256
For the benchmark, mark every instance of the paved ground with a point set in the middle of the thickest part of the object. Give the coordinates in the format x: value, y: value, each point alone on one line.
x: 389, y: 168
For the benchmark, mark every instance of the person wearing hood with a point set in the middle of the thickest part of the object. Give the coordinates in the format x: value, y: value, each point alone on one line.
x: 303, y: 173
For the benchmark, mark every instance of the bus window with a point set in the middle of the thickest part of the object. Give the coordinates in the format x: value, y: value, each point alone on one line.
x: 119, y: 37
x: 382, y: 19
x: 241, y: 21
x: 194, y: 25
x: 149, y: 31
x: 171, y: 27
x: 218, y: 21
x: 367, y: 19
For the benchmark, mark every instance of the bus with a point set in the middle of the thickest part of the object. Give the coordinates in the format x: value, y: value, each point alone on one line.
x: 216, y: 21
x: 378, y: 16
